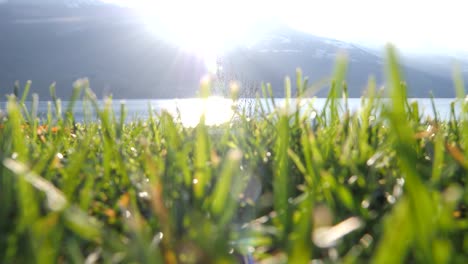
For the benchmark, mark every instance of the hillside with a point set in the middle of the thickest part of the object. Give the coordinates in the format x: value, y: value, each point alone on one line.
x: 111, y: 46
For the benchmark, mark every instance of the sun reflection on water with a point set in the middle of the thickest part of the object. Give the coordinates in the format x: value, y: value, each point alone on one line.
x: 217, y: 110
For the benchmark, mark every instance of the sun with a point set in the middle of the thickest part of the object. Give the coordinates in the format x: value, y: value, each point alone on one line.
x: 206, y: 28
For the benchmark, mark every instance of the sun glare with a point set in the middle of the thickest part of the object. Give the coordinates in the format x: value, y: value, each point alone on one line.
x: 205, y: 28
x: 217, y: 110
x: 209, y: 27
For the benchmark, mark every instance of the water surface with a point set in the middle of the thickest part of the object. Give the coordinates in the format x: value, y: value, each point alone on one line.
x: 218, y: 110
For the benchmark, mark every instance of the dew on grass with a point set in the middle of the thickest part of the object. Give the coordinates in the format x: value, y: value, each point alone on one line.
x: 397, y: 190
x: 143, y: 195
x: 352, y: 179
x: 313, y: 114
x: 327, y: 237
x: 56, y: 201
x: 157, y: 239
x: 366, y: 240
x: 127, y: 214
x: 374, y: 158
x: 262, y: 220
x: 257, y: 192
x: 400, y: 181
x: 250, y: 249
x: 365, y: 204
x: 94, y: 256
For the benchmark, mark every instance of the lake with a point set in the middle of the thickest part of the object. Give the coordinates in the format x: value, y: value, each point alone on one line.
x: 218, y: 110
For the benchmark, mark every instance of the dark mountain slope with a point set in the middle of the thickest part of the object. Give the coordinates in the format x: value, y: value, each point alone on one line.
x: 112, y: 47
x: 106, y: 44
x: 279, y: 55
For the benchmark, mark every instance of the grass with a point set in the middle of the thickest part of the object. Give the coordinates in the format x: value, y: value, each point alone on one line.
x: 382, y: 185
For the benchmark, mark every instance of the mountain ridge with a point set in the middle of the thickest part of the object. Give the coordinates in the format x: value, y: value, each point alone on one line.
x: 112, y: 47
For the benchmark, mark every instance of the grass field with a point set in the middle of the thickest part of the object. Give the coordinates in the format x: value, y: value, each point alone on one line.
x: 277, y: 185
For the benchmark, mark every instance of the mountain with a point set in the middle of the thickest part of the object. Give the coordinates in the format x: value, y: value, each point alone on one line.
x: 437, y: 64
x: 64, y: 40
x: 107, y: 44
x: 280, y: 52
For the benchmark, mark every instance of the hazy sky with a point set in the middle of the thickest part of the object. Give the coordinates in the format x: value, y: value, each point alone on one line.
x: 417, y: 25
x: 414, y: 25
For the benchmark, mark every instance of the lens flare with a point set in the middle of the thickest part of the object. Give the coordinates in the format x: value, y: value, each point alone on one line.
x: 205, y: 28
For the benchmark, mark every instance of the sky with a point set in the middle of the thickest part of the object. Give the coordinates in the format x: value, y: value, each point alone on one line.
x: 415, y: 25
x: 418, y: 26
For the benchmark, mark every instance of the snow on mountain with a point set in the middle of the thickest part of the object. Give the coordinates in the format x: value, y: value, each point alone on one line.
x: 339, y: 44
